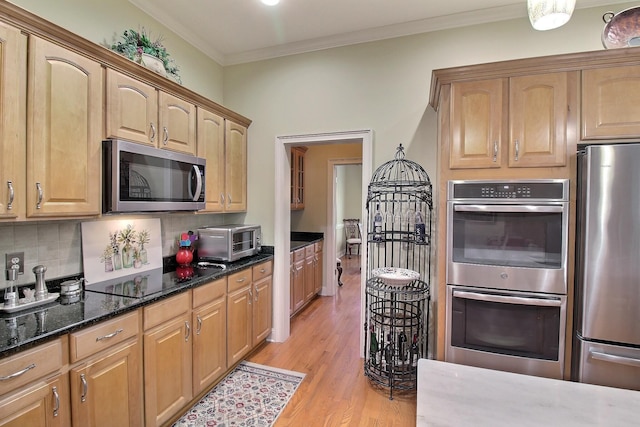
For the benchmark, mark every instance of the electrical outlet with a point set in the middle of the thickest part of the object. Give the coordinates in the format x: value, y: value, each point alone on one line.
x: 15, y: 260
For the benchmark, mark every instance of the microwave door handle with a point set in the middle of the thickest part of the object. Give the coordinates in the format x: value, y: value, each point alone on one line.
x: 507, y: 299
x: 508, y: 208
x: 195, y: 195
x: 620, y: 360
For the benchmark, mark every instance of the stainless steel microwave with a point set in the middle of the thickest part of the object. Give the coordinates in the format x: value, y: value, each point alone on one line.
x: 228, y: 242
x: 138, y: 178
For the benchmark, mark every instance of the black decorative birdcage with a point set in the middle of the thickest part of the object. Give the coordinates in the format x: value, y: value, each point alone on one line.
x: 397, y: 297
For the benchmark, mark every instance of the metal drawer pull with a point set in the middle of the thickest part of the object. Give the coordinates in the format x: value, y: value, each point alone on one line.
x: 187, y: 332
x: 10, y: 204
x: 242, y: 279
x: 517, y: 150
x: 199, y: 328
x: 40, y: 195
x: 17, y: 374
x: 622, y: 360
x: 111, y: 335
x: 153, y: 132
x: 56, y: 400
x: 85, y: 388
x: 495, y: 151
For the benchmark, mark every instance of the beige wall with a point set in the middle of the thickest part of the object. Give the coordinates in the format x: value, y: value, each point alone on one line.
x: 383, y: 86
x: 103, y: 21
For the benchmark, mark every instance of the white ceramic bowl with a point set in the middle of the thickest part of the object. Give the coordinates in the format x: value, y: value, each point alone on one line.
x: 393, y: 276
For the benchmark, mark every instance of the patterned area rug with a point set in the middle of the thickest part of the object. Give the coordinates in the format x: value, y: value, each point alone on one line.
x: 251, y: 395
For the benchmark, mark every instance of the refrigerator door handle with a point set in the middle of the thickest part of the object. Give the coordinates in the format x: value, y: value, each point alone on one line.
x: 621, y: 360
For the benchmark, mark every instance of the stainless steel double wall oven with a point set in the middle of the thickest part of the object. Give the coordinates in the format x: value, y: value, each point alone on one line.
x: 506, y: 273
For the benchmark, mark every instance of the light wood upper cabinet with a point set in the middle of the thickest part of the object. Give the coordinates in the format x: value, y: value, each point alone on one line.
x: 235, y: 167
x: 139, y: 112
x: 64, y: 132
x: 477, y: 111
x: 534, y: 109
x: 210, y: 131
x: 13, y: 94
x: 610, y: 103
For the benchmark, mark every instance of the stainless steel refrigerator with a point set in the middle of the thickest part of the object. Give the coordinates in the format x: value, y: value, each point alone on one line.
x: 607, y: 305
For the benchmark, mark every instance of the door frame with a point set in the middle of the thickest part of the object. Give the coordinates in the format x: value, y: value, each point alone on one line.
x: 282, y: 226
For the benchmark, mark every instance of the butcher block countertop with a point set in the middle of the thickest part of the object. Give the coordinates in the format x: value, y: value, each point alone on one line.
x: 461, y: 396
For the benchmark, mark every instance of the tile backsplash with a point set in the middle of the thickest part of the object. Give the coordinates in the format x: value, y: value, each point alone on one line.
x: 58, y: 244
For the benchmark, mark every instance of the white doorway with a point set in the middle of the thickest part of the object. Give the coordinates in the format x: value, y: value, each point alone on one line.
x: 282, y: 226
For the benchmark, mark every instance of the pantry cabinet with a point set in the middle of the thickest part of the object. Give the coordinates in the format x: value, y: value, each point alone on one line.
x: 106, y: 377
x: 64, y: 131
x: 167, y: 358
x: 297, y: 177
x: 610, y: 103
x: 13, y: 93
x: 223, y: 144
x: 139, y: 112
x: 510, y: 122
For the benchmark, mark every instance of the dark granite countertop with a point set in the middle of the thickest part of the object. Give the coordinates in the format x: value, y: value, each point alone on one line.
x: 300, y: 239
x: 24, y: 329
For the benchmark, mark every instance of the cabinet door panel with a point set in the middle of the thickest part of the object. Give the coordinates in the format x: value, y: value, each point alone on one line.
x: 211, y: 147
x: 177, y: 124
x: 65, y: 132
x: 132, y: 109
x: 45, y: 404
x: 477, y: 112
x: 13, y: 93
x: 262, y: 308
x: 209, y: 344
x: 610, y: 103
x: 108, y: 391
x: 538, y: 117
x: 236, y: 167
x: 239, y: 335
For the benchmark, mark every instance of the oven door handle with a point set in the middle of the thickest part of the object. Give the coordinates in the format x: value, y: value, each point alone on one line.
x: 621, y: 360
x: 508, y: 299
x: 509, y: 208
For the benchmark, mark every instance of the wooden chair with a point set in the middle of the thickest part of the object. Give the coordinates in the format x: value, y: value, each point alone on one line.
x: 353, y: 236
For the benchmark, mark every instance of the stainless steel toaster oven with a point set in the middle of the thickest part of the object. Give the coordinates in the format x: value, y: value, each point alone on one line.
x: 228, y: 242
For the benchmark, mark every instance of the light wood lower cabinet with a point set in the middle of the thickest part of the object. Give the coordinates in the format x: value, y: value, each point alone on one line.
x: 210, y: 338
x: 239, y: 322
x: 262, y: 301
x: 306, y: 275
x: 106, y: 373
x: 317, y: 267
x: 34, y: 389
x: 297, y: 284
x: 167, y: 358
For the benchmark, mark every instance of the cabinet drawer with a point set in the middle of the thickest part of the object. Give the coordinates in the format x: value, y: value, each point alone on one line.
x: 209, y: 292
x: 105, y: 335
x: 167, y: 309
x: 30, y: 365
x: 239, y: 280
x: 298, y: 255
x: 262, y: 270
x: 309, y: 251
x: 318, y: 246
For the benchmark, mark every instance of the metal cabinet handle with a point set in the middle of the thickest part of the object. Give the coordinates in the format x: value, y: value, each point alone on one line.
x: 229, y: 201
x: 111, y: 335
x: 56, y: 401
x: 187, y: 332
x: 495, y: 151
x: 517, y: 150
x: 153, y: 132
x: 85, y: 388
x: 165, y: 138
x: 40, y: 195
x: 262, y: 270
x: 17, y: 374
x: 199, y: 328
x: 257, y: 295
x: 250, y: 296
x: 621, y: 360
x: 11, y: 194
x: 240, y: 280
x: 222, y: 199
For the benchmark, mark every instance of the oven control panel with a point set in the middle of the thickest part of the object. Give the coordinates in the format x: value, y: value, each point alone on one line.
x: 510, y: 190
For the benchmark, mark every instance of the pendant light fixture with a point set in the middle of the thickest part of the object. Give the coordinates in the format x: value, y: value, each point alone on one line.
x: 549, y: 14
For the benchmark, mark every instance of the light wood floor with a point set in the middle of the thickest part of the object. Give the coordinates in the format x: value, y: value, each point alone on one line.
x: 324, y: 345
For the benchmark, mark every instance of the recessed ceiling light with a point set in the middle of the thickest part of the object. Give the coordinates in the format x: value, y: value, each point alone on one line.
x: 270, y: 2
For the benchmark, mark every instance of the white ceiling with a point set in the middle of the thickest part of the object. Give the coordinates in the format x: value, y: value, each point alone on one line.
x: 237, y: 31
